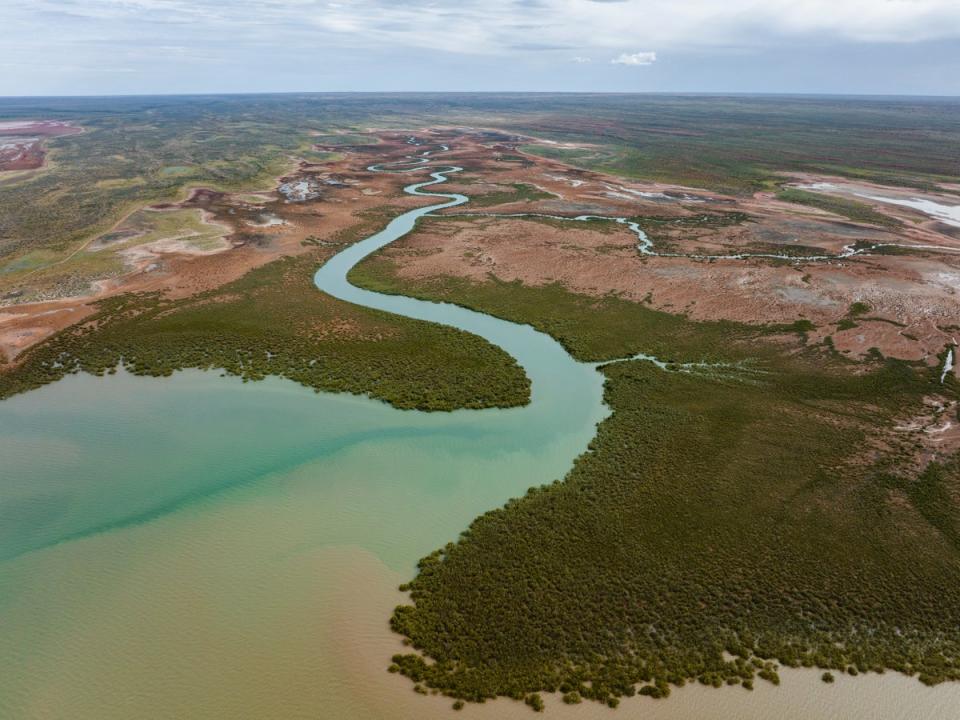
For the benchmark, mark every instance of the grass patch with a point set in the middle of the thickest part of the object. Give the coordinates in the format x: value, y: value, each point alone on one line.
x: 141, y: 150
x: 521, y: 192
x: 625, y: 327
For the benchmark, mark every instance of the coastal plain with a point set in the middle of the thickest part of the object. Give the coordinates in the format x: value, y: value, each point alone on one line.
x: 765, y: 492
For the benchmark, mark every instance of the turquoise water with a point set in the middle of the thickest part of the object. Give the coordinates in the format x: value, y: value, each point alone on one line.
x: 139, y: 515
x: 93, y: 454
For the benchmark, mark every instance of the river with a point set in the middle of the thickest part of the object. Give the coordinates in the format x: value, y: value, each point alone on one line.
x: 192, y: 547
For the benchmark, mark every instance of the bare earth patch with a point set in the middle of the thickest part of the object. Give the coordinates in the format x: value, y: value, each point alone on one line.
x: 21, y: 141
x: 911, y: 291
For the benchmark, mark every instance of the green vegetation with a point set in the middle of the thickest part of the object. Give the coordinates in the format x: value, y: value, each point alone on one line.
x: 591, y: 329
x: 273, y: 321
x: 134, y: 152
x: 703, y: 220
x: 138, y: 150
x: 857, y: 310
x: 522, y: 192
x: 856, y: 211
x: 801, y: 327
x: 723, y: 524
x: 342, y: 139
x: 666, y: 231
x: 534, y: 701
x: 740, y: 145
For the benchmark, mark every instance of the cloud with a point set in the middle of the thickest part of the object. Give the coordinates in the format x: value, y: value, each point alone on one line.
x: 638, y: 58
x: 476, y: 35
x: 490, y: 27
x: 537, y: 46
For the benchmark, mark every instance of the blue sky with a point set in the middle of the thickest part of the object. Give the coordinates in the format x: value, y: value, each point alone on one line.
x: 54, y: 47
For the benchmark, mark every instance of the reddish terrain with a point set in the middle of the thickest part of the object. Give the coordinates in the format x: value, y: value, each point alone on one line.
x: 264, y: 225
x: 21, y: 141
x: 911, y: 292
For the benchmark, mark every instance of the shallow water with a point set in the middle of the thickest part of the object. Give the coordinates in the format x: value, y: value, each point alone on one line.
x: 204, y: 525
x: 179, y: 543
x: 198, y: 547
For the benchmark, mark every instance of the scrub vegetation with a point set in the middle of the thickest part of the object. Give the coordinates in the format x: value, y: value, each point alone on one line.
x: 273, y: 321
x: 521, y: 192
x: 591, y: 329
x: 726, y: 521
x: 134, y: 151
x: 744, y: 144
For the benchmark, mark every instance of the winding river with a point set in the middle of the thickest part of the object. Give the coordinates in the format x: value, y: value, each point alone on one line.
x: 169, y: 544
x: 190, y: 547
x: 559, y: 383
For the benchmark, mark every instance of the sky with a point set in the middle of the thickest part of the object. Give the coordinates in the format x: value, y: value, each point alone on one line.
x: 100, y: 47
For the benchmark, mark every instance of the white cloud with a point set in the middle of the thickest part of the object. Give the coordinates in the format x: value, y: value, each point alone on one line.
x: 638, y: 58
x: 484, y: 33
x: 500, y: 26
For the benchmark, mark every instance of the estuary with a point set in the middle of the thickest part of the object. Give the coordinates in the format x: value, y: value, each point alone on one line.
x: 191, y: 547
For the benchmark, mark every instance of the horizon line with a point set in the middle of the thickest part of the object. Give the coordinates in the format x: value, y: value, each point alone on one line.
x: 668, y: 93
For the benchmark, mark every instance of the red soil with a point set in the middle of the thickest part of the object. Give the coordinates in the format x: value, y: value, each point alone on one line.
x: 327, y: 219
x: 913, y: 297
x: 21, y: 141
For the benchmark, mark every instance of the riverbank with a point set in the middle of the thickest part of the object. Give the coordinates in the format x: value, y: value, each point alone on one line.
x: 267, y: 569
x: 670, y: 485
x: 272, y: 598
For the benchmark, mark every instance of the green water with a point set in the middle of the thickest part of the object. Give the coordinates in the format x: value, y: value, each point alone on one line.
x: 91, y: 455
x: 198, y: 547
